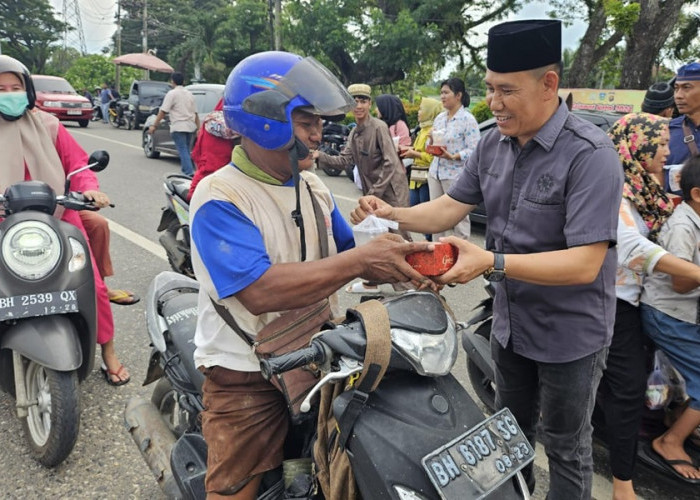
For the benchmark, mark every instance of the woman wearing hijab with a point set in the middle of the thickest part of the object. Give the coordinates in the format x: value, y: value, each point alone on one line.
x: 641, y: 140
x: 35, y: 146
x: 418, y: 181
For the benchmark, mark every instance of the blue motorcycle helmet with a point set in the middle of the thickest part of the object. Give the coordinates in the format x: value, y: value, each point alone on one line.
x: 263, y: 89
x: 11, y: 65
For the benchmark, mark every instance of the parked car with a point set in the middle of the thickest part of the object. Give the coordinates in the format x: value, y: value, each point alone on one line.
x: 206, y: 95
x: 602, y: 119
x: 145, y: 96
x: 56, y: 96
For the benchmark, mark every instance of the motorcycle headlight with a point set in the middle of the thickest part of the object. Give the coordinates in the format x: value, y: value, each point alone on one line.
x: 31, y: 249
x: 432, y: 355
x: 79, y: 258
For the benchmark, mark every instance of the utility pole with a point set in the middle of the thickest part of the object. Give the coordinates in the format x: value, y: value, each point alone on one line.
x: 118, y: 74
x: 278, y: 24
x: 145, y: 33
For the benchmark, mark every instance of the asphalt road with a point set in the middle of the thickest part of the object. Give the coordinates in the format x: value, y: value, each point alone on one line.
x: 105, y: 462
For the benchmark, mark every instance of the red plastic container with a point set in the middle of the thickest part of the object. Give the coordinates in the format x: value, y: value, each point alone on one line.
x: 436, y: 262
x: 433, y: 150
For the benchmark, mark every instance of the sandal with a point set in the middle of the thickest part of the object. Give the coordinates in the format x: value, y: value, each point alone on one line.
x: 109, y: 374
x: 123, y: 298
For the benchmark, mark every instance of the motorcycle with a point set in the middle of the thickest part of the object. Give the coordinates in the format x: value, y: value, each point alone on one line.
x: 333, y: 139
x: 48, y: 320
x: 453, y: 453
x: 175, y: 224
x: 96, y: 110
x: 122, y: 114
x: 480, y: 367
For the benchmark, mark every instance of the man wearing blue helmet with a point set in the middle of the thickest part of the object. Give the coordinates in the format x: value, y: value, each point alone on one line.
x: 258, y: 252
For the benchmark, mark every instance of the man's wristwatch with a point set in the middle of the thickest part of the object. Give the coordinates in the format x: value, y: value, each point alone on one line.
x: 498, y: 271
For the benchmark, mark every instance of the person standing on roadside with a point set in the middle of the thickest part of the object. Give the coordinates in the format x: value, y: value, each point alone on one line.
x: 552, y: 184
x: 372, y: 149
x: 184, y: 121
x: 685, y: 129
x: 105, y: 97
x: 461, y: 135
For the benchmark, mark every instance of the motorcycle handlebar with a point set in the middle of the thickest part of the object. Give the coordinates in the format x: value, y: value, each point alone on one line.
x: 286, y: 362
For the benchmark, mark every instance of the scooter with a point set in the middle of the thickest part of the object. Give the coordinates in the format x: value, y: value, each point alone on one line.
x: 175, y: 224
x: 122, y: 114
x: 417, y: 436
x: 333, y: 139
x: 96, y: 110
x: 48, y: 320
x: 480, y: 367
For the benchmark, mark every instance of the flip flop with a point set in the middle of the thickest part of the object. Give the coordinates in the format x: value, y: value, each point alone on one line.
x: 123, y: 298
x: 668, y: 465
x: 109, y: 374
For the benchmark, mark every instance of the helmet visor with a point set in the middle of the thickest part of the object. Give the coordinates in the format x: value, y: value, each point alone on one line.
x: 312, y: 81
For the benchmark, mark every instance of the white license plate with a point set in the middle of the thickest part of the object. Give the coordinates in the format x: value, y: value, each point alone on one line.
x: 38, y: 304
x: 74, y: 112
x: 480, y: 460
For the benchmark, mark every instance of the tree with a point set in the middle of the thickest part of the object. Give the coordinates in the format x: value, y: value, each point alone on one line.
x: 382, y: 42
x: 28, y: 29
x: 88, y: 72
x: 657, y: 19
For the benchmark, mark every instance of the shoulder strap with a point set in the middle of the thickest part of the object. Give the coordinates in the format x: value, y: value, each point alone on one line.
x: 689, y: 139
x: 320, y: 222
x: 228, y: 318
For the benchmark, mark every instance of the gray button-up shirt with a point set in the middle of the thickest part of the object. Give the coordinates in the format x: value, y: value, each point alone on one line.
x: 563, y: 189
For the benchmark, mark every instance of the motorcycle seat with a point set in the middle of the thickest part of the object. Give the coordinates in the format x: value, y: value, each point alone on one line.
x: 179, y: 185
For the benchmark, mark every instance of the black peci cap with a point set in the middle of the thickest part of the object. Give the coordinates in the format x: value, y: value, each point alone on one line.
x: 523, y: 45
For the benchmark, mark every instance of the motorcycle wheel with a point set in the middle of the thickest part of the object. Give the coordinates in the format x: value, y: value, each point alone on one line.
x: 332, y: 171
x: 114, y: 120
x: 130, y: 125
x: 166, y: 399
x: 484, y: 387
x: 52, y: 426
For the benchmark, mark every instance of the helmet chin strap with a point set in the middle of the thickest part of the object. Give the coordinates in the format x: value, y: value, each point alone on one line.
x: 298, y: 150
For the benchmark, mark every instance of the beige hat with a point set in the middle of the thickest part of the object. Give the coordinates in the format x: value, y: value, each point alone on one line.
x: 360, y: 90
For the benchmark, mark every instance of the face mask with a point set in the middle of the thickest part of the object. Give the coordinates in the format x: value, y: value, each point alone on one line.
x: 13, y: 104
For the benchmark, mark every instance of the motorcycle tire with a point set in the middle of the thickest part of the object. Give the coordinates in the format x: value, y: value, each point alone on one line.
x: 332, y: 171
x: 51, y: 428
x: 484, y: 388
x: 114, y: 120
x: 166, y: 399
x: 129, y: 123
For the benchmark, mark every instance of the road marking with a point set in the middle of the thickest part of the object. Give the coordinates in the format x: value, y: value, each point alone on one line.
x: 139, y: 147
x: 137, y: 239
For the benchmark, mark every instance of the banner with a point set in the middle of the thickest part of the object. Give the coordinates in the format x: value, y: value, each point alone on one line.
x: 612, y: 100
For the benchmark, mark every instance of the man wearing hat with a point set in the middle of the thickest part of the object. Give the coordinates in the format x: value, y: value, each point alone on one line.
x: 659, y: 100
x: 685, y: 130
x: 371, y: 148
x: 552, y: 185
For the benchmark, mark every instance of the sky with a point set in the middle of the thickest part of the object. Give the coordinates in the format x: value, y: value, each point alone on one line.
x: 98, y: 22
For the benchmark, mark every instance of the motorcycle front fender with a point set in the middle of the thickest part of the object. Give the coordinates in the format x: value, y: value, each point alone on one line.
x: 479, y: 351
x: 51, y: 341
x: 167, y: 218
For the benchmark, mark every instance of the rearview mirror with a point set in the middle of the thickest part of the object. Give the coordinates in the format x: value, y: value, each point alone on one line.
x: 100, y: 158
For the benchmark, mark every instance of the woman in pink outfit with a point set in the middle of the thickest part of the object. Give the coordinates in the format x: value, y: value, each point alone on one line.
x: 37, y: 147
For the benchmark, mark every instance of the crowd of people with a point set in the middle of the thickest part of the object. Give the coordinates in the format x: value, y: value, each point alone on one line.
x: 594, y: 260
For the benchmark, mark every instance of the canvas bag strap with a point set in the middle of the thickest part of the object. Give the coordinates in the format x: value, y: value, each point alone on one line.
x: 228, y: 318
x: 689, y: 139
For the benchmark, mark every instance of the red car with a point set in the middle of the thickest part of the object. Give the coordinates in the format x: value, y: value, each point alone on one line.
x: 56, y: 96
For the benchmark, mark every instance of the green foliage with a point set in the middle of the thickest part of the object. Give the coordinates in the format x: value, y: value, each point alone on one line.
x: 411, y: 113
x: 481, y: 111
x: 622, y: 15
x: 28, y: 30
x: 92, y: 70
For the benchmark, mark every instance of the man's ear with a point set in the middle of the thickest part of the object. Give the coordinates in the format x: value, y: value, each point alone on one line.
x: 695, y: 194
x: 550, y: 80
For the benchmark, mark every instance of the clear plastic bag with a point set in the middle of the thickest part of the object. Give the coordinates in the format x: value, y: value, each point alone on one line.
x: 659, y: 391
x: 371, y: 227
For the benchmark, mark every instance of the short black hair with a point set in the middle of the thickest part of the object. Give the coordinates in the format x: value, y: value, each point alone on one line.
x: 177, y: 78
x: 457, y: 85
x: 690, y: 176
